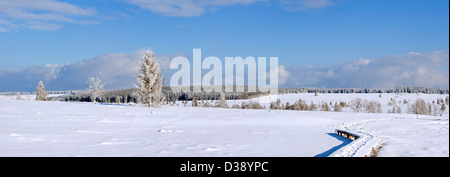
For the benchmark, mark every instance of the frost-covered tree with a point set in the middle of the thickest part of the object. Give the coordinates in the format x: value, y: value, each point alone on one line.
x: 95, y: 88
x: 194, y: 102
x: 251, y: 105
x: 149, y: 81
x: 396, y: 110
x: 287, y: 106
x: 443, y: 108
x: 223, y: 101
x: 337, y: 107
x: 41, y: 94
x: 373, y: 107
x: 420, y: 107
x: 325, y: 107
x: 275, y: 105
x: 399, y: 110
x: 312, y: 106
x: 18, y: 97
x: 235, y: 106
x: 430, y: 109
x: 357, y: 104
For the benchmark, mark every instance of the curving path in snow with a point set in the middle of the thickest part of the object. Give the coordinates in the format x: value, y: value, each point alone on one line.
x: 399, y: 136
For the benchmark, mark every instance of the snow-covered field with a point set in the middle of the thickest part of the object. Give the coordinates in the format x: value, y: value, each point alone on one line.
x: 32, y: 128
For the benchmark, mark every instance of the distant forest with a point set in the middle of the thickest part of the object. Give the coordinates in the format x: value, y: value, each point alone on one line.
x: 128, y: 95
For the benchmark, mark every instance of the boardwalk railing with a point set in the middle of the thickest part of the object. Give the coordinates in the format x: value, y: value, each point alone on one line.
x: 347, y: 134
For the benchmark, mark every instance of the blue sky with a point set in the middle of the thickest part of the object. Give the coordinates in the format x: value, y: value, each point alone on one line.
x: 320, y: 33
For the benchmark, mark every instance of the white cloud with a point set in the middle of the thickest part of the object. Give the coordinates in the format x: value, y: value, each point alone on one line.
x: 40, y: 14
x: 185, y: 8
x: 3, y: 29
x: 37, y: 25
x: 413, y: 69
x: 302, y: 5
x: 191, y: 8
x: 117, y: 70
x: 283, y: 75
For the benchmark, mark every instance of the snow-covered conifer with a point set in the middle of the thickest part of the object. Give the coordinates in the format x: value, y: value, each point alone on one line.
x: 18, y: 97
x: 149, y: 81
x: 223, y: 101
x: 41, y: 94
x: 194, y: 102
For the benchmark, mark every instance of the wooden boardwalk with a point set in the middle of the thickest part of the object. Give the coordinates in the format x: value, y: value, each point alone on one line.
x: 347, y: 134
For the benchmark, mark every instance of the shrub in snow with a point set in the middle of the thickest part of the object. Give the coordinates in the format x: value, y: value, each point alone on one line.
x: 206, y: 105
x: 395, y: 110
x: 343, y: 104
x: 337, y: 107
x: 275, y: 105
x: 41, y: 94
x: 373, y: 107
x: 150, y: 81
x: 235, y: 106
x: 251, y: 105
x: 312, y: 106
x: 325, y: 107
x: 287, y: 106
x: 300, y: 105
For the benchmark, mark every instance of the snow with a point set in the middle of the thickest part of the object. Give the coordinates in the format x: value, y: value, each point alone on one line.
x: 33, y: 128
x: 428, y: 138
x: 26, y: 97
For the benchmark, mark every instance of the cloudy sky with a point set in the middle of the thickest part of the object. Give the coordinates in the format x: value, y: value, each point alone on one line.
x: 320, y: 43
